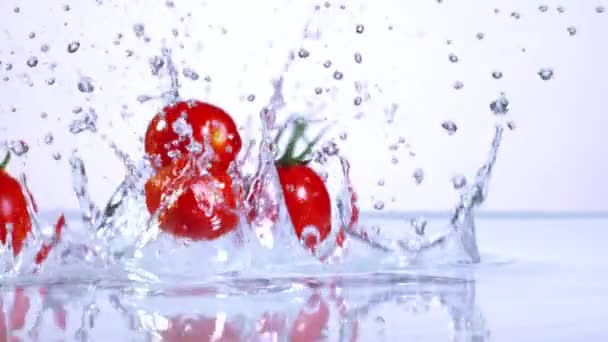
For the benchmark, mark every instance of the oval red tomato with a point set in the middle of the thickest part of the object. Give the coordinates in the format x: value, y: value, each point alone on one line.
x: 205, y: 210
x: 13, y: 212
x: 307, y: 201
x: 173, y: 132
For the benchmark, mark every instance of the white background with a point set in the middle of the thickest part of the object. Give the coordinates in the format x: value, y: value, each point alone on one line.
x: 555, y: 160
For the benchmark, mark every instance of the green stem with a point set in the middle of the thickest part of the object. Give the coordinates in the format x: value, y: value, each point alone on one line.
x: 312, y: 144
x: 6, y: 160
x: 298, y: 132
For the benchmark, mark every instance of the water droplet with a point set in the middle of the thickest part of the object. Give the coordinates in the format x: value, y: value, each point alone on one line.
x: 500, y: 106
x: 16, y: 9
x: 360, y: 28
x: 327, y: 63
x: 48, y: 138
x: 338, y: 75
x: 511, y: 125
x: 191, y: 74
x: 156, y: 64
x: 139, y: 30
x: 545, y: 74
x: 419, y: 225
x: 32, y: 62
x: 497, y: 75
x: 330, y: 148
x: 450, y: 127
x: 50, y: 81
x: 480, y: 35
x: 44, y: 115
x: 571, y: 30
x: 561, y: 9
x: 73, y: 46
x: 358, y: 58
x: 87, y: 121
x: 44, y: 48
x: 357, y: 101
x: 599, y: 9
x: 453, y: 58
x: 543, y: 8
x: 18, y: 147
x: 57, y: 156
x: 458, y: 85
x: 343, y: 136
x: 418, y: 176
x: 303, y: 53
x: 85, y: 85
x: 66, y: 8
x: 379, y: 205
x: 381, y: 182
x: 515, y: 15
x: 459, y: 181
x: 394, y: 160
x: 8, y: 67
x: 251, y: 97
x: 32, y: 35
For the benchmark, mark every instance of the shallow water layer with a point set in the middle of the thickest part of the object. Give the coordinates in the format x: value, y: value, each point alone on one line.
x: 518, y: 293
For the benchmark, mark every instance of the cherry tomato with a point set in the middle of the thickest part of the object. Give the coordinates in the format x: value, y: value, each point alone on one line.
x: 13, y: 211
x: 205, y: 210
x: 307, y: 201
x: 205, y: 120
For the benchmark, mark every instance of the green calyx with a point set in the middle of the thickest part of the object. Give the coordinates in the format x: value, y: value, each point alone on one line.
x: 289, y: 158
x: 5, y: 162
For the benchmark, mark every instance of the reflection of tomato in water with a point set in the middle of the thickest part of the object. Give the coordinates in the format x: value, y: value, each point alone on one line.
x: 205, y: 210
x: 200, y: 329
x: 311, y: 321
x: 186, y: 122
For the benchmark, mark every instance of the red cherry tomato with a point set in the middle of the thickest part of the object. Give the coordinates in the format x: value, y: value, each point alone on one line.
x: 13, y: 211
x: 205, y: 120
x: 205, y: 210
x: 307, y: 201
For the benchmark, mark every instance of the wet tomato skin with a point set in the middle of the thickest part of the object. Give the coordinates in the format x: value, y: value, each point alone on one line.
x: 205, y: 210
x: 13, y: 211
x: 307, y: 200
x: 205, y: 120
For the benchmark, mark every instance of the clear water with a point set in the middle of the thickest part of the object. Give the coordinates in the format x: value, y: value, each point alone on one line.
x: 114, y: 275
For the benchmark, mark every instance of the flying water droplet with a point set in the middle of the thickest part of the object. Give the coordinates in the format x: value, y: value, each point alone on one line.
x: 458, y: 85
x: 571, y: 30
x: 543, y: 8
x: 497, y: 75
x: 459, y: 181
x: 450, y: 127
x: 330, y: 148
x: 418, y: 176
x: 87, y: 121
x: 190, y: 74
x: 358, y: 58
x: 48, y: 138
x: 73, y: 46
x: 419, y: 225
x: 139, y: 30
x: 85, y: 85
x: 453, y: 58
x: 156, y: 64
x: 511, y: 125
x: 57, y: 156
x: 515, y: 15
x: 500, y: 106
x: 480, y: 35
x: 360, y: 28
x: 338, y: 75
x: 32, y: 62
x: 303, y: 53
x: 599, y: 9
x: 251, y: 97
x: 561, y: 9
x: 379, y: 205
x: 545, y: 74
x: 32, y: 35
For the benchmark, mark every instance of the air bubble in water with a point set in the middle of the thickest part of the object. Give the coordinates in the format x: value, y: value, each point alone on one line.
x: 500, y: 106
x: 19, y: 147
x: 338, y: 75
x: 360, y: 28
x: 453, y: 58
x: 85, y: 85
x: 418, y: 176
x: 32, y: 62
x: 450, y: 127
x: 191, y: 74
x: 545, y: 74
x: 73, y: 46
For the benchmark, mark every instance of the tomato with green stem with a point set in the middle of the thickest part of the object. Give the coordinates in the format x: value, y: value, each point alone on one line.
x: 306, y: 196
x: 14, y: 216
x: 189, y: 127
x: 203, y: 206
